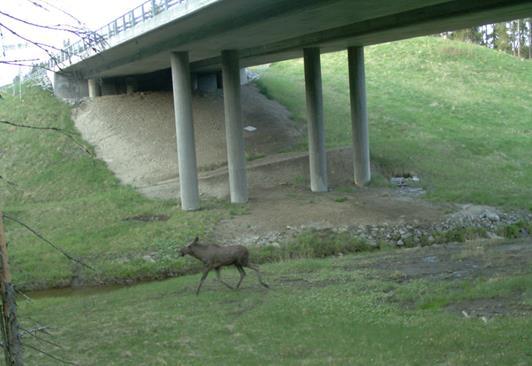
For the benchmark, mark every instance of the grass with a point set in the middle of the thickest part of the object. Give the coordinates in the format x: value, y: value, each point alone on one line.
x: 472, y: 119
x: 455, y: 114
x: 318, y: 311
x: 77, y: 203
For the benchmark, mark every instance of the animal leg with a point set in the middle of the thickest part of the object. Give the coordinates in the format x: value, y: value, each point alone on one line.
x: 242, y: 274
x: 203, y: 277
x: 256, y: 269
x: 219, y: 277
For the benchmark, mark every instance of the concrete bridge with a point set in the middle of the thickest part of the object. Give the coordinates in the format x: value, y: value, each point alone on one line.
x: 196, y: 39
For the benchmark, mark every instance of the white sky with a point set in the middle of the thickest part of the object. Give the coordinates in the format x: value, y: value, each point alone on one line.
x: 93, y: 13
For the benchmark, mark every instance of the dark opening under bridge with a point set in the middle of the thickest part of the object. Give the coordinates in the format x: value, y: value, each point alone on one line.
x: 202, y: 37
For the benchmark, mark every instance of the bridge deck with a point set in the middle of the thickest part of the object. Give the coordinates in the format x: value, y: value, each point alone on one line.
x: 271, y: 30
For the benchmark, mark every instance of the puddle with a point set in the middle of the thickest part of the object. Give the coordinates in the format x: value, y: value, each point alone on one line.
x: 69, y: 291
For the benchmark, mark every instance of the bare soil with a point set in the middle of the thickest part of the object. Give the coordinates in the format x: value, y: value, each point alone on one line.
x: 282, y: 208
x: 455, y: 262
x: 135, y: 134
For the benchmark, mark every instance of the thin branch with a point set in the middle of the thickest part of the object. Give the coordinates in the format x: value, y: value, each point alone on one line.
x: 34, y: 335
x: 19, y: 61
x: 41, y: 45
x: 40, y: 328
x: 56, y: 247
x: 68, y: 134
x: 36, y: 3
x: 24, y: 295
x: 50, y: 355
x: 56, y: 27
x: 40, y: 66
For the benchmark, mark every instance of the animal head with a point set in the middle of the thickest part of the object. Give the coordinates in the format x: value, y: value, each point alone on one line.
x: 187, y: 249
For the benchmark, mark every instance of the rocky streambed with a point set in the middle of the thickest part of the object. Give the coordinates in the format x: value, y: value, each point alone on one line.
x: 467, y: 223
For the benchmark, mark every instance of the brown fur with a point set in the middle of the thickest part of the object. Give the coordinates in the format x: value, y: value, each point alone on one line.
x: 215, y: 257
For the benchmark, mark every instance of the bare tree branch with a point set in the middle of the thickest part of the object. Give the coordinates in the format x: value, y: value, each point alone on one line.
x: 50, y: 355
x: 23, y: 295
x: 56, y: 247
x: 64, y: 132
x: 33, y: 333
x: 56, y: 27
x: 38, y: 4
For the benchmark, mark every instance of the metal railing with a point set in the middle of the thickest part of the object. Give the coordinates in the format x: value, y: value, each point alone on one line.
x: 98, y: 41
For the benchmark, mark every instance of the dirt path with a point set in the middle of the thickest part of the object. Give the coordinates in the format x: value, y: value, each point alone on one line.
x: 282, y: 208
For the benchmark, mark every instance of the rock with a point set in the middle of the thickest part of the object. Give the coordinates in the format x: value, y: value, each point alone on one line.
x: 148, y: 258
x: 400, y: 243
x: 492, y: 216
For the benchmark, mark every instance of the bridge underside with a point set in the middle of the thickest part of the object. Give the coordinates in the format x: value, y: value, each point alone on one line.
x: 229, y: 35
x: 267, y: 31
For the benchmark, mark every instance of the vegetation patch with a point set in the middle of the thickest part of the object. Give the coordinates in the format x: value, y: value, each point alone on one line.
x: 74, y: 201
x: 341, y: 310
x: 466, y: 132
x: 312, y: 244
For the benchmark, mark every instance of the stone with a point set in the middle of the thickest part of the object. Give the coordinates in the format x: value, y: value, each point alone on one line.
x: 148, y: 258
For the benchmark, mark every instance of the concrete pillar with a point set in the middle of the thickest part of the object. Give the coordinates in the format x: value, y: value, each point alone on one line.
x: 186, y: 149
x: 131, y: 85
x: 359, y: 115
x: 233, y: 127
x: 316, y: 134
x: 69, y: 87
x: 94, y: 88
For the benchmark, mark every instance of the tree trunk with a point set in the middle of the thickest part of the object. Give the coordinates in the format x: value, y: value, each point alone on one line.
x: 10, y: 328
x: 518, y: 38
x: 530, y: 38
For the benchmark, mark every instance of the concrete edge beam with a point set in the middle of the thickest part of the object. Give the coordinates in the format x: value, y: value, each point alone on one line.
x: 186, y: 147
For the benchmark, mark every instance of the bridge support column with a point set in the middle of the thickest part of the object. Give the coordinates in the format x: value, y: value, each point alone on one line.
x: 94, y: 88
x: 233, y: 127
x: 186, y: 149
x: 316, y: 134
x: 359, y: 115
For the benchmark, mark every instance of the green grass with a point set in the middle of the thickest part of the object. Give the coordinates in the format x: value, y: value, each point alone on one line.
x: 318, y: 311
x: 456, y: 114
x: 76, y: 202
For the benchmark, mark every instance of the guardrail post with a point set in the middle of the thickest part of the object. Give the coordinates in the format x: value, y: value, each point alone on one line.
x: 165, y: 4
x: 143, y: 12
x: 132, y: 17
x: 153, y: 8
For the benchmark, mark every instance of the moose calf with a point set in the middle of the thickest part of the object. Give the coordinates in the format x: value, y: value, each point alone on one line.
x: 215, y: 257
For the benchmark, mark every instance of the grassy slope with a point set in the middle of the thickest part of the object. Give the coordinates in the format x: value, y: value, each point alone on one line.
x: 318, y: 312
x: 77, y: 203
x: 458, y: 115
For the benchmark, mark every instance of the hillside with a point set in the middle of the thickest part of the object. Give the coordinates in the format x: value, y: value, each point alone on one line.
x: 456, y: 114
